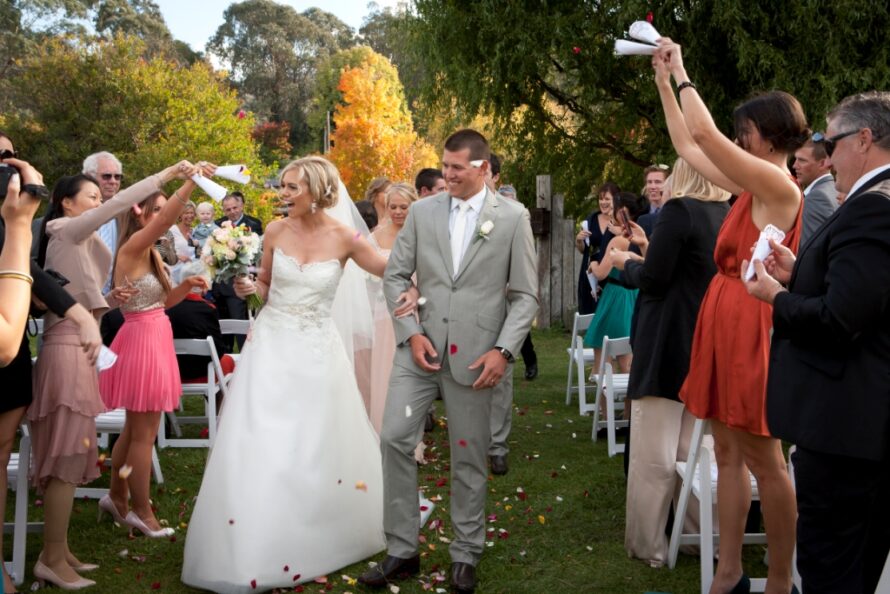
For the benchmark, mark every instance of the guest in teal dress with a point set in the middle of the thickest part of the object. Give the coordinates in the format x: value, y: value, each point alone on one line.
x: 616, y: 303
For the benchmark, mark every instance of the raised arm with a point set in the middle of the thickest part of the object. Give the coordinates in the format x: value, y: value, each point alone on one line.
x: 602, y: 268
x: 364, y: 254
x: 681, y: 138
x: 80, y: 227
x: 146, y: 237
x: 766, y: 181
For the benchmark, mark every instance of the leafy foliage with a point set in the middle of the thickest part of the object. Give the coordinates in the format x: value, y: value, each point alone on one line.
x: 76, y: 99
x: 374, y: 134
x: 564, y: 105
x: 273, y: 52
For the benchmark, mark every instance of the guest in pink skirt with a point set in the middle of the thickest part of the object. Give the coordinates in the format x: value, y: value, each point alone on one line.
x: 66, y: 385
x: 145, y: 379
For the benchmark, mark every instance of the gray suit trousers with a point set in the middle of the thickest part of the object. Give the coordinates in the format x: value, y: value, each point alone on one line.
x: 501, y: 414
x: 468, y: 412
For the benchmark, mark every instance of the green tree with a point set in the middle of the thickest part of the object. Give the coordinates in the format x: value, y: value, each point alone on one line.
x: 563, y: 104
x: 76, y: 99
x: 273, y: 52
x: 143, y: 19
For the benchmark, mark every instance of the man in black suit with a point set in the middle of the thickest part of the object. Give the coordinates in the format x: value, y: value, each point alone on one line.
x: 829, y: 377
x: 231, y: 306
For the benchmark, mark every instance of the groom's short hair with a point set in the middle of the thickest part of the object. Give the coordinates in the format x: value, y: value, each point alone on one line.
x: 469, y: 139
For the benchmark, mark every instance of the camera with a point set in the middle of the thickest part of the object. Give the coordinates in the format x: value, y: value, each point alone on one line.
x: 6, y: 173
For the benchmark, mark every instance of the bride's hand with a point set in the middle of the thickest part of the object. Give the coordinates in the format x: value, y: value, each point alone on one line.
x: 243, y: 287
x: 410, y: 301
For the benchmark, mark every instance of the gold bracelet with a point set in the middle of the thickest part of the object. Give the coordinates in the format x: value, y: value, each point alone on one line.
x: 17, y: 275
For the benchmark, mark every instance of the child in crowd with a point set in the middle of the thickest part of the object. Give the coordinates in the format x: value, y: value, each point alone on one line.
x: 205, y: 225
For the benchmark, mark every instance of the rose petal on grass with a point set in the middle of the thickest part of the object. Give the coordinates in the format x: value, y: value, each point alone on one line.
x: 442, y: 482
x: 542, y: 520
x: 156, y: 585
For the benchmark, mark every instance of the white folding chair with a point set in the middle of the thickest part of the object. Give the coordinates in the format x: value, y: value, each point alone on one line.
x: 700, y: 480
x: 234, y: 326
x: 611, y: 388
x: 17, y: 479
x: 579, y: 327
x: 884, y: 582
x: 584, y: 406
x: 106, y: 424
x: 208, y: 388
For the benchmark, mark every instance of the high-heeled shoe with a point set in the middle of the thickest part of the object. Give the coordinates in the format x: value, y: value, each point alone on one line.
x: 134, y: 521
x: 84, y: 567
x: 45, y: 574
x: 106, y: 506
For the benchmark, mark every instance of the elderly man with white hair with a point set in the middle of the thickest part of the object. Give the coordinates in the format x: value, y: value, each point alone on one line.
x: 107, y: 170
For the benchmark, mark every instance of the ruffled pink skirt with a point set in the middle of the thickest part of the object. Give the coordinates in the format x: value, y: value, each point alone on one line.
x: 63, y: 413
x: 145, y: 377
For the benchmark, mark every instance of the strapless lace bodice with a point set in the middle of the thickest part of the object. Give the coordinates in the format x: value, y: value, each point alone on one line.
x: 301, y: 295
x: 151, y: 294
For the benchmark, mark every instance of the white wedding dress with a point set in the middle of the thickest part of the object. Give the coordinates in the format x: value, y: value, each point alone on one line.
x: 294, y: 484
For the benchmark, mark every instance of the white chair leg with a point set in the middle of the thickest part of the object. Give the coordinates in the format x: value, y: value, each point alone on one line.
x: 569, y: 379
x: 685, y: 491
x: 156, y: 466
x: 162, y: 432
x: 706, y: 524
x: 21, y: 512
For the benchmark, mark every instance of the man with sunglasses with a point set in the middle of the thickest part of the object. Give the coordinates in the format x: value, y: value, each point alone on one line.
x: 108, y: 172
x: 828, y: 390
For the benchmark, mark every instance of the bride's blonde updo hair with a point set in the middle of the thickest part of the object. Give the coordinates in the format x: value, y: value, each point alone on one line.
x: 321, y: 177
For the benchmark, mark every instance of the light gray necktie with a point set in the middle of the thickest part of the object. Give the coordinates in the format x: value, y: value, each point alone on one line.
x: 457, y: 235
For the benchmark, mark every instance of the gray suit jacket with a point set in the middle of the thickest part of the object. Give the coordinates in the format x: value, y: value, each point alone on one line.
x: 491, y: 302
x: 818, y: 205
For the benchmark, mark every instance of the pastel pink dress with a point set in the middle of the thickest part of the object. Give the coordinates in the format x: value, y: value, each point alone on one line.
x: 145, y: 377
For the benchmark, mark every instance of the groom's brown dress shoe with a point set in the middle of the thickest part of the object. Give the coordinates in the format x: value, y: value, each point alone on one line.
x: 498, y: 464
x: 390, y: 569
x: 463, y: 578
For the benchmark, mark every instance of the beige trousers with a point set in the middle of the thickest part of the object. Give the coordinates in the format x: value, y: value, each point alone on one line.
x: 659, y: 438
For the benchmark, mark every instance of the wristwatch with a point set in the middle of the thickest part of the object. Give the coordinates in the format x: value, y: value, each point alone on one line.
x: 505, y: 354
x: 36, y: 191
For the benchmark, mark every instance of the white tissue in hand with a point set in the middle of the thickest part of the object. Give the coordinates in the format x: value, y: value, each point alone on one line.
x: 235, y: 173
x: 106, y: 359
x: 213, y: 189
x: 624, y: 47
x: 762, y: 248
x: 585, y: 228
x: 644, y: 31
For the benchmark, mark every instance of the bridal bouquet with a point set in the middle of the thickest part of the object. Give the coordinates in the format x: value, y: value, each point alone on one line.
x: 228, y: 252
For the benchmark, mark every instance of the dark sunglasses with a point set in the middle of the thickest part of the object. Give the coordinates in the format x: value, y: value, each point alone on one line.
x: 831, y: 142
x: 108, y: 176
x: 8, y: 154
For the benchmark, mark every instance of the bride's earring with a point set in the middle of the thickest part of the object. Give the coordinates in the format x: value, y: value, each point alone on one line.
x: 314, y: 207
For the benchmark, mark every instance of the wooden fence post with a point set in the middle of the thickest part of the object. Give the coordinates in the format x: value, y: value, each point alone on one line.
x: 544, y: 242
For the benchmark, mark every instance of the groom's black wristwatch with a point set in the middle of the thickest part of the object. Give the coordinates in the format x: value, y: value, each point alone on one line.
x: 505, y: 353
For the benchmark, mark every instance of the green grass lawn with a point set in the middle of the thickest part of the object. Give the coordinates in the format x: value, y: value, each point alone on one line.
x: 563, y: 533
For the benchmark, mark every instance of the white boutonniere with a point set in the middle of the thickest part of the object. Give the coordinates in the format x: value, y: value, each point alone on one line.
x: 484, y: 229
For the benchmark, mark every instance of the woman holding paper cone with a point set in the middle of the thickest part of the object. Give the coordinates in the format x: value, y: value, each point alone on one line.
x: 66, y: 384
x: 145, y: 378
x: 727, y: 372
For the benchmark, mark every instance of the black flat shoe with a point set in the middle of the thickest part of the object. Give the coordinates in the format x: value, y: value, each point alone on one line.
x: 531, y: 372
x: 390, y: 570
x: 463, y: 578
x: 743, y: 586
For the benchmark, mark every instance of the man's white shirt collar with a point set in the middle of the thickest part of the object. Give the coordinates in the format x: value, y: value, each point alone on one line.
x: 868, y: 175
x: 816, y: 181
x: 476, y: 201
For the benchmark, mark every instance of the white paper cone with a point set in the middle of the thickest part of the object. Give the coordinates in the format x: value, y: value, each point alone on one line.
x: 644, y: 31
x: 213, y: 189
x: 106, y: 359
x: 632, y: 48
x: 235, y: 173
x: 762, y: 248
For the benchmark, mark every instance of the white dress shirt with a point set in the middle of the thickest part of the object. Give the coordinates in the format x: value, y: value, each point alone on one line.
x: 476, y: 202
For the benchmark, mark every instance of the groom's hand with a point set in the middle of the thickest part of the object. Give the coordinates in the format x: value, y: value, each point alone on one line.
x: 424, y: 354
x: 493, y: 367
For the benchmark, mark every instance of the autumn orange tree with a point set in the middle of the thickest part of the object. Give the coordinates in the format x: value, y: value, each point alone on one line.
x: 374, y: 135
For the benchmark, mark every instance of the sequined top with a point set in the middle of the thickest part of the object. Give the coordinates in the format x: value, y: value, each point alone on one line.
x: 151, y: 294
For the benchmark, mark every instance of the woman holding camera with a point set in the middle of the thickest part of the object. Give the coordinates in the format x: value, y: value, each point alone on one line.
x: 16, y: 377
x: 63, y: 414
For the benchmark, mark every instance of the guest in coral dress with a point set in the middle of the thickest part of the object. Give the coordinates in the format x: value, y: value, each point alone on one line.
x: 727, y: 373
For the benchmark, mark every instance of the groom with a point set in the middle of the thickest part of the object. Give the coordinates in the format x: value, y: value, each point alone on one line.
x: 473, y: 255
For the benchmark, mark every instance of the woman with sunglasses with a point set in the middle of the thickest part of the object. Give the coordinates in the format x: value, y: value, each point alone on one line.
x: 16, y: 376
x: 727, y: 373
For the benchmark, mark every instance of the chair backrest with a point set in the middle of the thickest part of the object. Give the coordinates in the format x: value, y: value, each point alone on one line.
x: 580, y: 324
x: 203, y: 347
x: 234, y: 326
x: 615, y: 347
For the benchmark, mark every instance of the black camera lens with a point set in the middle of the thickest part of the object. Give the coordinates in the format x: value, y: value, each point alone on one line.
x: 6, y: 172
x: 8, y: 154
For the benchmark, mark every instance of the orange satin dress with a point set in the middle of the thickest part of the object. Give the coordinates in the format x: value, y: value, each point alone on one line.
x: 730, y: 348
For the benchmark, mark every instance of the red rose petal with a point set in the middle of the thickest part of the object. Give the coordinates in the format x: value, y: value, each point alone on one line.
x: 241, y: 114
x: 422, y: 508
x: 231, y: 521
x: 462, y: 443
x: 452, y: 349
x: 296, y: 577
x: 286, y: 568
x: 253, y: 584
x: 205, y: 433
x: 441, y: 482
x: 156, y: 585
x: 576, y: 49
x: 649, y: 16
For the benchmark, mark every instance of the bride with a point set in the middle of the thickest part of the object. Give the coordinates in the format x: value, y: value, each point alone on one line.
x: 293, y: 488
